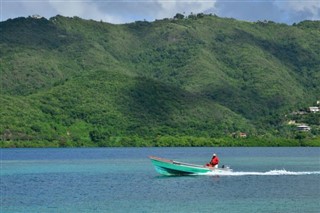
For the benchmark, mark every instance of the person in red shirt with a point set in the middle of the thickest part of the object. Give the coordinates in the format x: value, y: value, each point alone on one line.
x: 214, y: 161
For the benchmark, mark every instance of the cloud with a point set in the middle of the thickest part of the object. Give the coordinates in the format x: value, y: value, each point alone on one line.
x: 285, y: 11
x: 114, y: 11
x: 246, y: 10
x: 170, y: 8
x: 153, y: 9
x: 49, y: 8
x: 312, y: 6
x: 83, y: 9
x: 295, y: 9
x: 124, y: 11
x: 14, y: 9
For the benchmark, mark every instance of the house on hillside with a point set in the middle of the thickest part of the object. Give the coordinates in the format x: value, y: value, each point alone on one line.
x: 243, y: 135
x: 313, y: 109
x: 303, y: 128
x: 239, y: 135
x: 291, y: 122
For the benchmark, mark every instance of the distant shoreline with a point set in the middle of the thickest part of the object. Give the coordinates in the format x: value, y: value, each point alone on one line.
x: 169, y: 141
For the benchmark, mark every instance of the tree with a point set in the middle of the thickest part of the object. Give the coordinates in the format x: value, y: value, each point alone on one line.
x: 178, y: 16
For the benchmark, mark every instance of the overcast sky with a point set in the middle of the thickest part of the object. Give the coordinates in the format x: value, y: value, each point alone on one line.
x: 125, y: 11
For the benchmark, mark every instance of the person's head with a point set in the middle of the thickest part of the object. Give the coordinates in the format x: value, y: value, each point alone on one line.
x: 214, y: 155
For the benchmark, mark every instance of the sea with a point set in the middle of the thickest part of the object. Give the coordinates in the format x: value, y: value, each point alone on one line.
x: 279, y: 180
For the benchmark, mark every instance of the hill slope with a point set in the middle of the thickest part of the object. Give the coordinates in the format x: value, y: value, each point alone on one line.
x: 74, y: 81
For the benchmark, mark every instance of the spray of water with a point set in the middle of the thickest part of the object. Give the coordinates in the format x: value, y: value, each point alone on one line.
x: 268, y: 173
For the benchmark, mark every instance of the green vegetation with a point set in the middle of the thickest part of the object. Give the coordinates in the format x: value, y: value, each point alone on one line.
x: 188, y: 81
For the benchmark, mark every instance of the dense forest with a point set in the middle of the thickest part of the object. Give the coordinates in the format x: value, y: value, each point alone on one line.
x: 197, y: 80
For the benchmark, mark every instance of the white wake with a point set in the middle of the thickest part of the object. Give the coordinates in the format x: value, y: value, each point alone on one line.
x: 268, y: 173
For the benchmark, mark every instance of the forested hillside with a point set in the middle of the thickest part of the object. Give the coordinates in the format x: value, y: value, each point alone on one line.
x: 187, y: 81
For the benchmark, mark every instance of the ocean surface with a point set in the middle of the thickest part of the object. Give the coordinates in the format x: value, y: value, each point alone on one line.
x: 124, y: 180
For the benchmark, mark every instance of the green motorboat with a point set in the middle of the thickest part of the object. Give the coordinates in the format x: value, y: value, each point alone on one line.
x: 170, y: 167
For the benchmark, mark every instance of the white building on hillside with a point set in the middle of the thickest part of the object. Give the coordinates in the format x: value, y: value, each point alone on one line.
x: 303, y: 128
x: 314, y: 109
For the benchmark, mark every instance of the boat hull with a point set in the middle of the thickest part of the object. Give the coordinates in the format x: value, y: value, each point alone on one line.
x: 171, y: 167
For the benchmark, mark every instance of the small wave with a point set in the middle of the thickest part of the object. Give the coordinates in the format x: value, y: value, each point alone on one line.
x: 268, y: 173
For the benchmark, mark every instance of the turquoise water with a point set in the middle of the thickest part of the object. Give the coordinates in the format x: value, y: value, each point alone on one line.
x: 124, y: 180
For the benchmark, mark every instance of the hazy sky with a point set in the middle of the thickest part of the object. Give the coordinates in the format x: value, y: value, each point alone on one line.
x: 124, y: 11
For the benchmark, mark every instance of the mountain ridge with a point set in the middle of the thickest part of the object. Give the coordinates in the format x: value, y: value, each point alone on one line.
x: 93, y: 82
